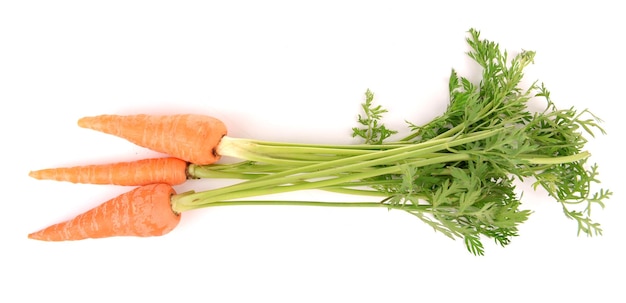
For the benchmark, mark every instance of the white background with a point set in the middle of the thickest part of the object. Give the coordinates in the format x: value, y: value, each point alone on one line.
x: 291, y: 71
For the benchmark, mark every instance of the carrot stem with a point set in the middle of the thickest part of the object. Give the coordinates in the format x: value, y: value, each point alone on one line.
x: 272, y: 185
x: 335, y: 175
x: 285, y: 181
x: 298, y: 203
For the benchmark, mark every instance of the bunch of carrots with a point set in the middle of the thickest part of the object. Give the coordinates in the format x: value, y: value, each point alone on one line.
x: 455, y: 173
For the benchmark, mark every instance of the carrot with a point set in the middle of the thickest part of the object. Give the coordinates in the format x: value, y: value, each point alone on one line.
x: 169, y: 170
x: 193, y: 138
x: 143, y: 212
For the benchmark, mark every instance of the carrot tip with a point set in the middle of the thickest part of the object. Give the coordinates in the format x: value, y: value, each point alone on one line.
x: 43, y: 174
x: 84, y: 122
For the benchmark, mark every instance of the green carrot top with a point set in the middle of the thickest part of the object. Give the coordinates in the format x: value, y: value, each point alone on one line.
x: 455, y: 173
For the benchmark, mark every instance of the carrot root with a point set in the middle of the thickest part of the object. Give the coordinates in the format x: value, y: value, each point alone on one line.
x: 170, y: 170
x: 143, y: 212
x: 193, y: 138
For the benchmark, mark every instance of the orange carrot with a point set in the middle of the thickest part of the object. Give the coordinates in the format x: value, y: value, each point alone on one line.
x: 170, y: 170
x: 143, y: 212
x: 193, y: 138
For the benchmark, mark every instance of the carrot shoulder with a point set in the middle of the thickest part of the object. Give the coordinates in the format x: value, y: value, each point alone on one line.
x: 193, y: 138
x: 143, y: 212
x: 169, y: 170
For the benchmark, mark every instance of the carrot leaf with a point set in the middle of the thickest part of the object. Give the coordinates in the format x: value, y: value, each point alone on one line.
x: 373, y: 132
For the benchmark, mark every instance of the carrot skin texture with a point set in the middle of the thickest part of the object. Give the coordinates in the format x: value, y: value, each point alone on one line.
x: 169, y: 170
x: 143, y: 212
x: 193, y: 138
